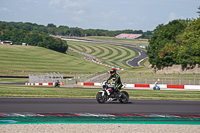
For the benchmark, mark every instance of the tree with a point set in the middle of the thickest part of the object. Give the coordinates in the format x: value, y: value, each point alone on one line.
x: 51, y: 25
x: 190, y: 41
x: 164, y: 35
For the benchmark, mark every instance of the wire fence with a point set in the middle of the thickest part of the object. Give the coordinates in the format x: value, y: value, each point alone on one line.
x: 127, y: 77
x: 46, y: 78
x: 170, y: 79
x: 140, y: 78
x: 88, y: 78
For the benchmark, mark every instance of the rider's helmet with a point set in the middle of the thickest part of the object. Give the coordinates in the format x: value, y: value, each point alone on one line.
x: 113, y: 71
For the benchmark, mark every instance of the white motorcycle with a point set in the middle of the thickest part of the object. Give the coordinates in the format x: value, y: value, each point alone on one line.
x: 108, y: 94
x: 156, y: 86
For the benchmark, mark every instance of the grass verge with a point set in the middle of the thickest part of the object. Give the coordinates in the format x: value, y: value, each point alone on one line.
x: 44, y: 91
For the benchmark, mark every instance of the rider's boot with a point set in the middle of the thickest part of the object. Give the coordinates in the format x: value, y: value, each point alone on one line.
x: 119, y: 94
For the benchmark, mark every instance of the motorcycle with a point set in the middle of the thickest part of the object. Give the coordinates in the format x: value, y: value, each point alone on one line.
x: 108, y: 94
x: 57, y: 84
x: 156, y: 86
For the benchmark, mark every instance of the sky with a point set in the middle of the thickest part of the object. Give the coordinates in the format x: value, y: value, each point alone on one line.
x: 99, y: 14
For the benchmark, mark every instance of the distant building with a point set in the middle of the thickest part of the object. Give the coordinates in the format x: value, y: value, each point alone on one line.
x: 129, y: 36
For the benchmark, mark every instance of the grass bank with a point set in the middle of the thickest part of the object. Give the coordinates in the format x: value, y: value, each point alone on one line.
x: 42, y: 91
x: 15, y: 60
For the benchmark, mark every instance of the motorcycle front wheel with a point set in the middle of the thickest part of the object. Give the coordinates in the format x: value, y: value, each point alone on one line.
x: 124, y: 97
x: 100, y: 98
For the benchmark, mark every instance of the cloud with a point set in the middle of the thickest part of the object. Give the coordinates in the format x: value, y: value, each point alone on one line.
x: 4, y: 9
x: 77, y: 19
x: 80, y: 12
x: 123, y: 18
x: 66, y: 3
x: 108, y: 15
x: 54, y: 2
x: 32, y: 1
x: 171, y: 16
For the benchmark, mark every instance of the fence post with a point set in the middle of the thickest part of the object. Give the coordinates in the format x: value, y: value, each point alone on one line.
x: 75, y: 79
x: 153, y: 78
x: 66, y: 81
x: 29, y: 77
x: 194, y: 78
x: 81, y: 77
x: 62, y: 78
x: 51, y: 77
x: 90, y: 77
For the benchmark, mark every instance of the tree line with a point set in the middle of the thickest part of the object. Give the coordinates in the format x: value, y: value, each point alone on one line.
x: 177, y: 42
x: 73, y: 31
x: 28, y: 33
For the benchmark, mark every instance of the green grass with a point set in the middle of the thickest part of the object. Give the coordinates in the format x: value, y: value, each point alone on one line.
x: 37, y: 59
x: 14, y: 80
x: 105, y: 52
x: 42, y: 91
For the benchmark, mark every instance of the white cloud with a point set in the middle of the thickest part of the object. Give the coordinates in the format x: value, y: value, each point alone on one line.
x: 66, y: 3
x: 171, y: 16
x: 105, y: 23
x: 123, y: 18
x: 80, y: 12
x: 4, y: 9
x: 108, y: 15
x: 77, y: 19
x: 31, y: 1
x: 54, y: 2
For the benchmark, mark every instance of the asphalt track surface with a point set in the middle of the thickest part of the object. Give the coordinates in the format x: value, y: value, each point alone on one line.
x: 135, y: 61
x: 80, y: 105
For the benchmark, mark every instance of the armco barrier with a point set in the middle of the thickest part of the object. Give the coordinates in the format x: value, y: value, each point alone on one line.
x: 176, y: 86
x: 42, y: 83
x: 142, y: 85
x: 162, y: 86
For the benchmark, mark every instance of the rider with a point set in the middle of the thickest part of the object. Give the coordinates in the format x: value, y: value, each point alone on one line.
x: 156, y: 83
x: 116, y: 78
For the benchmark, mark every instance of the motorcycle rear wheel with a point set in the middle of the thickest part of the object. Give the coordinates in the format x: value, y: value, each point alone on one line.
x: 100, y: 98
x: 124, y: 98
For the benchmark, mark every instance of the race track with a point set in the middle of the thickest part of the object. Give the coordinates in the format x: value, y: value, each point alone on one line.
x: 133, y: 62
x: 76, y: 105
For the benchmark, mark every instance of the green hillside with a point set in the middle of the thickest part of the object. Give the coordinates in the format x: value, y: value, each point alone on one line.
x: 108, y: 54
x: 15, y: 59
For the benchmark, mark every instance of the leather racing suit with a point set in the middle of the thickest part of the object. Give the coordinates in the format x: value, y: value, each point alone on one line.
x: 117, y: 81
